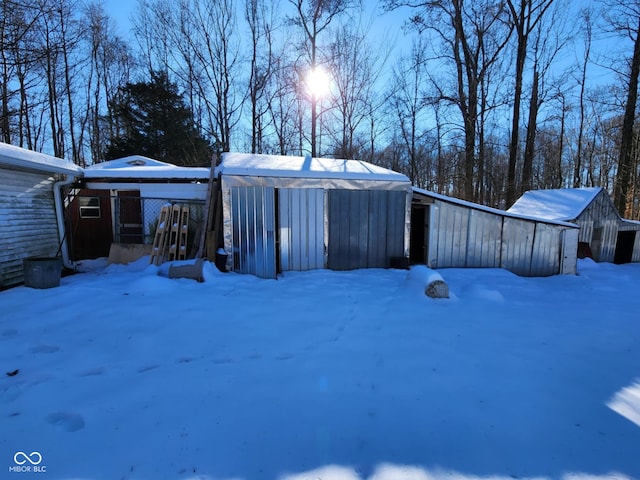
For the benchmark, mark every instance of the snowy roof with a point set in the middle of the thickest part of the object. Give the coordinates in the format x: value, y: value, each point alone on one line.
x: 243, y: 164
x: 137, y: 166
x: 561, y: 204
x: 484, y: 208
x: 26, y: 159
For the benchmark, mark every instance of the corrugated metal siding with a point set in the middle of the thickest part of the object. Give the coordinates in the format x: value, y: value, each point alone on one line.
x: 599, y: 227
x: 28, y: 225
x: 366, y: 228
x: 253, y: 230
x: 635, y: 257
x: 301, y: 224
x: 517, y: 245
x: 460, y: 236
x: 545, y: 257
x: 484, y: 239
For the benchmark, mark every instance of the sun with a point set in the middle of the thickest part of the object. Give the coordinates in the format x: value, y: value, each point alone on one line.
x: 318, y: 82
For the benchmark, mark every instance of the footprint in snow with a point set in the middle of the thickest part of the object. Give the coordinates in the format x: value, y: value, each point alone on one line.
x: 147, y: 368
x: 92, y: 372
x: 67, y: 422
x: 9, y: 333
x: 45, y: 349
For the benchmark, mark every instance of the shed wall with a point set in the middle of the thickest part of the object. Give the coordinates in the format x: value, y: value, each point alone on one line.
x: 599, y: 227
x: 460, y: 237
x: 301, y: 226
x: 28, y: 225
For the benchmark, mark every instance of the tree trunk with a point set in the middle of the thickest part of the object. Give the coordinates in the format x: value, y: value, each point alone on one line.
x: 626, y: 143
x: 529, y: 151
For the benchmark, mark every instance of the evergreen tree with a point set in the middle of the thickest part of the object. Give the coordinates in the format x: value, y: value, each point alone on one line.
x: 153, y: 120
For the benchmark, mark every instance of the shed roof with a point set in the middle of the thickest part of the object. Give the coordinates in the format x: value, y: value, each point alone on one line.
x: 563, y: 204
x: 139, y: 167
x: 243, y: 164
x: 495, y: 211
x: 20, y: 158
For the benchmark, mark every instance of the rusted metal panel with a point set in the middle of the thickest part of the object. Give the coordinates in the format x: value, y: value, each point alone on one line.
x: 253, y: 230
x: 301, y: 226
x: 28, y: 224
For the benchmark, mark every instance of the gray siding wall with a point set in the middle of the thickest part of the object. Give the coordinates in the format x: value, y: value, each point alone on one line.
x: 28, y: 224
x: 366, y: 228
x: 599, y: 227
x: 461, y: 237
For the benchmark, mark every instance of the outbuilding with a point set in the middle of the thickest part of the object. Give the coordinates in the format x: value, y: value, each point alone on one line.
x: 119, y: 201
x: 447, y: 232
x: 300, y: 213
x: 31, y: 218
x: 604, y: 234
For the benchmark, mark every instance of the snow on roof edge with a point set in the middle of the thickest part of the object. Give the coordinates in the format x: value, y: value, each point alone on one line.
x: 559, y: 204
x: 20, y: 157
x: 484, y: 208
x: 258, y: 165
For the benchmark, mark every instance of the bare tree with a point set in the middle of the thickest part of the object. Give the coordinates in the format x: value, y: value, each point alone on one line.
x: 624, y: 18
x: 525, y: 15
x: 314, y: 17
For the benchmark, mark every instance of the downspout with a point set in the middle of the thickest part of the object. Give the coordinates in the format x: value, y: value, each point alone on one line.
x: 59, y: 206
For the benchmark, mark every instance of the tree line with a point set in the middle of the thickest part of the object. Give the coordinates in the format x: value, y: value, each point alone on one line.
x: 490, y: 99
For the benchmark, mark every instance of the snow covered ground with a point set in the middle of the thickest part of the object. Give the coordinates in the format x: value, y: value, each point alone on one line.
x: 125, y: 374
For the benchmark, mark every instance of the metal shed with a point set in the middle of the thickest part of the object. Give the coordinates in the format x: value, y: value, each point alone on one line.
x: 301, y: 213
x: 604, y: 235
x: 448, y: 232
x: 31, y: 222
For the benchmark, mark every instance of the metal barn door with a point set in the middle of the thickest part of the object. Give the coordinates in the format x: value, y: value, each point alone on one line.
x: 301, y: 228
x: 366, y: 228
x: 253, y: 230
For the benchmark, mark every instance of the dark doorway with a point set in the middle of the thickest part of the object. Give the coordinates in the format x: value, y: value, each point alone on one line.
x: 129, y: 219
x: 624, y: 247
x: 419, y: 224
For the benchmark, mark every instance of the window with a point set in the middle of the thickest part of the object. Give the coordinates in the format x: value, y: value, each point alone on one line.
x: 89, y: 207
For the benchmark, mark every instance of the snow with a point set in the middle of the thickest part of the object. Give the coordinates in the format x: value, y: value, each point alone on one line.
x: 564, y: 204
x: 138, y: 166
x: 21, y: 158
x: 126, y: 374
x: 304, y: 167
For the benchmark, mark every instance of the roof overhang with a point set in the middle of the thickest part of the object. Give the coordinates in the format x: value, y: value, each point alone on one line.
x: 21, y: 159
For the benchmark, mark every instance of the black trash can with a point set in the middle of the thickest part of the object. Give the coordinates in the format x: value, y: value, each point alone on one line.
x: 42, y: 272
x: 221, y: 260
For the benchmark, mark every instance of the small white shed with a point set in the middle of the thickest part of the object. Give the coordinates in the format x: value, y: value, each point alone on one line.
x: 447, y: 232
x: 31, y: 222
x: 604, y: 235
x: 301, y: 213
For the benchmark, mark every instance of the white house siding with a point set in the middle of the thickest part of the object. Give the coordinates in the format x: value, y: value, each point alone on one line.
x: 28, y: 226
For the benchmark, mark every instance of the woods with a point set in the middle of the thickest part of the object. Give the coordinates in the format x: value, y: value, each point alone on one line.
x: 479, y: 100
